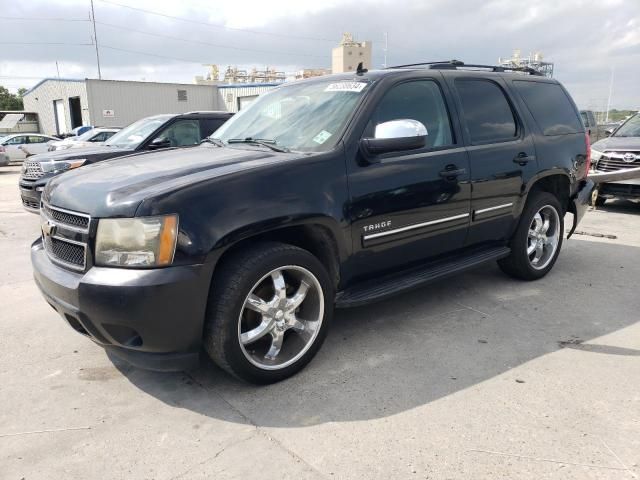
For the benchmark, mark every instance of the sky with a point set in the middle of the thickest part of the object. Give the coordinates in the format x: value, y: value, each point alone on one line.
x: 587, y: 40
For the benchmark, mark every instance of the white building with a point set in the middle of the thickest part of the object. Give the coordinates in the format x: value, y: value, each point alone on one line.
x: 346, y: 56
x: 63, y: 104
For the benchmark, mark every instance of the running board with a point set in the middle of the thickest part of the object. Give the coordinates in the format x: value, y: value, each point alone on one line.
x: 381, y: 288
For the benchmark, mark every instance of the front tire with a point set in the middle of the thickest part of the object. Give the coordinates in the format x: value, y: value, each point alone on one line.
x: 269, y: 310
x: 537, y: 241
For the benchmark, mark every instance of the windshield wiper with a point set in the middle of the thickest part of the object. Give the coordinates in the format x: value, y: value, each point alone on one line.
x: 215, y: 141
x: 260, y: 141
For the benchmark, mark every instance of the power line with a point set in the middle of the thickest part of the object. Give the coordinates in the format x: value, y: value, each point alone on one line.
x: 43, y: 19
x: 213, y: 25
x: 198, y: 42
x: 153, y: 54
x: 49, y: 44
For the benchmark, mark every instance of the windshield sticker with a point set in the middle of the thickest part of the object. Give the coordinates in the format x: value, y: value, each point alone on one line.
x: 322, y: 137
x: 346, y: 87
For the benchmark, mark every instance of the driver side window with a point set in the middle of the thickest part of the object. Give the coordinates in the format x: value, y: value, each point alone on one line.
x: 419, y: 100
x: 182, y: 133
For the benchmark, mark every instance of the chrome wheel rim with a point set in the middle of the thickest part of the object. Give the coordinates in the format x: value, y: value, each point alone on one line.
x: 544, y: 237
x: 281, y: 317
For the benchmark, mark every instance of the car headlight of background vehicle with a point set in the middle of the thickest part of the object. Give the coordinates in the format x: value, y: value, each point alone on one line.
x: 136, y: 242
x: 62, y: 165
x: 595, y: 155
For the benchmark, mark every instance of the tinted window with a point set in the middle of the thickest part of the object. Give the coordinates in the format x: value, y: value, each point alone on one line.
x: 421, y: 101
x: 16, y: 141
x: 182, y: 133
x: 37, y: 140
x: 550, y: 107
x: 486, y: 111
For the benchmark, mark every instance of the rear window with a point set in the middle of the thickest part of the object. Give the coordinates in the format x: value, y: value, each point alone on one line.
x: 487, y: 113
x: 551, y: 108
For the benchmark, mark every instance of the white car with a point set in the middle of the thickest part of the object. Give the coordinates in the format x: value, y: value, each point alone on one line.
x: 88, y: 138
x: 22, y: 145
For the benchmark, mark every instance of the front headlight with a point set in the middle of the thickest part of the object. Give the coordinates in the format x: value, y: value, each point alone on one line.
x: 136, y: 242
x: 595, y: 156
x: 62, y: 165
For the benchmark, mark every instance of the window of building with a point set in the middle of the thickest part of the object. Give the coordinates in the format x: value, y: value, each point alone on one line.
x: 550, y: 107
x: 419, y: 100
x: 486, y: 111
x: 182, y: 95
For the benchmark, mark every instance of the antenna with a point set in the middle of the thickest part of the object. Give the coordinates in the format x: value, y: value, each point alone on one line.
x: 95, y: 38
x: 386, y: 45
x: 610, y: 93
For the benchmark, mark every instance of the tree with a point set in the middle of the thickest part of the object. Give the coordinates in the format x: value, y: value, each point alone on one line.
x: 11, y: 101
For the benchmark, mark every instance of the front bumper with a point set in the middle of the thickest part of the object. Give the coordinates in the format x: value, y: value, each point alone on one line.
x: 152, y: 318
x: 31, y: 192
x: 580, y: 202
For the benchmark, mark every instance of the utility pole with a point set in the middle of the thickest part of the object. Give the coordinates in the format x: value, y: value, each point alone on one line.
x: 610, y: 92
x: 95, y: 39
x: 386, y: 45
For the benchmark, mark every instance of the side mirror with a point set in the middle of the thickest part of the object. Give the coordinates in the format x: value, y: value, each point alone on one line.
x: 395, y: 136
x: 158, y: 143
x: 608, y: 132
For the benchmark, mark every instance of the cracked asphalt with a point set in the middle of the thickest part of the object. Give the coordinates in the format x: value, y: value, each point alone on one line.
x: 476, y: 377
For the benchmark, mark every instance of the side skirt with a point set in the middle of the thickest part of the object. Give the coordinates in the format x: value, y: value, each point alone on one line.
x: 380, y: 288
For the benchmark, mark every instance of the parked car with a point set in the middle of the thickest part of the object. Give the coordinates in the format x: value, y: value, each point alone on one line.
x: 93, y: 136
x: 620, y: 151
x: 334, y: 191
x: 4, y: 159
x: 151, y: 133
x: 596, y: 132
x: 20, y: 145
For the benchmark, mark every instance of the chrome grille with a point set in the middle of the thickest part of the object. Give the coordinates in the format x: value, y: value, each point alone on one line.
x: 32, y: 170
x: 67, y: 218
x: 612, y: 161
x: 31, y: 204
x: 71, y: 254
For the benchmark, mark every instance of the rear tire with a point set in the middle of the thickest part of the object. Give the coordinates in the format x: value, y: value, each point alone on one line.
x: 269, y: 310
x: 537, y: 241
x: 600, y: 201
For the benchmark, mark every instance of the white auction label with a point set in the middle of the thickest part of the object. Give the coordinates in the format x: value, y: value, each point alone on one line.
x: 346, y: 87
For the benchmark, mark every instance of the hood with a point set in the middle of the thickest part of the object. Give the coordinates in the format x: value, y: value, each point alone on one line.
x: 97, y: 152
x: 117, y: 187
x: 617, y: 143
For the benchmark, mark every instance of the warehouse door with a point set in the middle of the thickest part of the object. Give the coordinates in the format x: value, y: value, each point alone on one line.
x: 61, y: 122
x: 76, y: 112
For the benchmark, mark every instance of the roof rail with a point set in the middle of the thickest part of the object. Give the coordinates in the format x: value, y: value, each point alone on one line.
x: 457, y: 64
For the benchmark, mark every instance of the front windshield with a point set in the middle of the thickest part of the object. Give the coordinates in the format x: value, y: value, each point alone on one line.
x: 305, y: 116
x: 137, y: 132
x: 86, y: 136
x: 631, y: 128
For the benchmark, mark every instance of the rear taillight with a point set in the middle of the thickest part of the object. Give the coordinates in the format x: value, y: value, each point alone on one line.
x: 588, y: 162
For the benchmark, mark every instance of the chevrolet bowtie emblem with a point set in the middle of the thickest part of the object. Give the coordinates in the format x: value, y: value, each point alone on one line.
x: 48, y: 228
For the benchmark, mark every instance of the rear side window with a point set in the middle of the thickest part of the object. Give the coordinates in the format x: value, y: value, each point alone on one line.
x: 486, y: 111
x: 551, y: 108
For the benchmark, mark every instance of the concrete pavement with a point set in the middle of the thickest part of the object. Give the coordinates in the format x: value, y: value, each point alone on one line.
x: 479, y: 377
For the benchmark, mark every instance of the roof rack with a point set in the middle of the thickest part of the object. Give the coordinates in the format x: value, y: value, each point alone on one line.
x: 457, y: 64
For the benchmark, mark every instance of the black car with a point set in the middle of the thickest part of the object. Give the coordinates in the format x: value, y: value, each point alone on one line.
x: 621, y: 151
x: 333, y: 191
x: 150, y: 133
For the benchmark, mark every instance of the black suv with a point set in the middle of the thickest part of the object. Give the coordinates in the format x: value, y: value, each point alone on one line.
x: 333, y: 191
x: 151, y: 133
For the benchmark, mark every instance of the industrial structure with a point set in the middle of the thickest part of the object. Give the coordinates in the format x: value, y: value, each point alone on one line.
x: 13, y: 121
x: 534, y: 61
x: 346, y: 56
